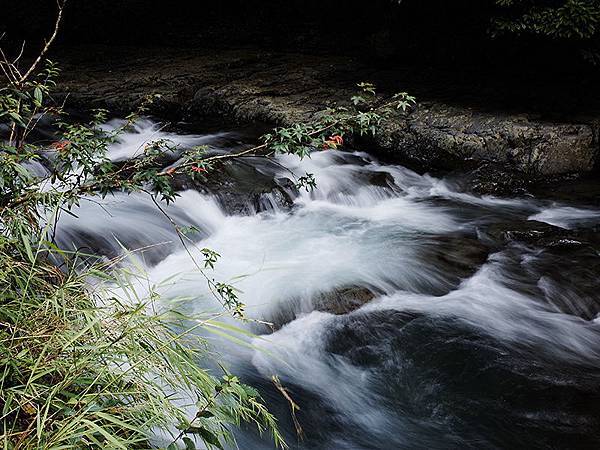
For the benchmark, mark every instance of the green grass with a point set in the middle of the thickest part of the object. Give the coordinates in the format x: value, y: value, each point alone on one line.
x: 82, y: 369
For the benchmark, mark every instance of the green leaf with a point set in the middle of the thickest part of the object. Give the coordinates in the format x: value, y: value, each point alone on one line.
x: 37, y: 94
x: 207, y: 436
x: 116, y: 443
x: 205, y: 414
x: 27, y: 246
x: 16, y: 118
x: 115, y: 420
x: 189, y: 444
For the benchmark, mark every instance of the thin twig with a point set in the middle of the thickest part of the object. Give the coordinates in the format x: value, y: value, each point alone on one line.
x: 61, y: 7
x: 239, y: 154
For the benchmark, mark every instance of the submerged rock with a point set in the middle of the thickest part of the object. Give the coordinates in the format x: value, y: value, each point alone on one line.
x: 543, y: 235
x: 561, y: 269
x: 439, y: 370
x: 454, y: 258
x: 573, y: 189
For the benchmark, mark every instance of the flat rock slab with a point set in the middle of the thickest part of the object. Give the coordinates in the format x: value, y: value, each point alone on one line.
x: 282, y: 88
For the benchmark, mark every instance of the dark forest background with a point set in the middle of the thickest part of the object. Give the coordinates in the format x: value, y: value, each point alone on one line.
x: 438, y: 32
x: 445, y: 42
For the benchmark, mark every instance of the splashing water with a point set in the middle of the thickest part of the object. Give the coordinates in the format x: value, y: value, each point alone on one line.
x: 131, y: 145
x: 467, y: 341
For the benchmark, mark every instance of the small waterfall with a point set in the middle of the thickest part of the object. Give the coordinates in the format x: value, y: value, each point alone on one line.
x: 466, y: 340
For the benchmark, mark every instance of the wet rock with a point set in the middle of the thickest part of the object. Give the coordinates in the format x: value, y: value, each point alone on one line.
x: 495, y: 179
x: 562, y: 268
x: 241, y: 188
x: 283, y: 88
x: 343, y: 300
x: 338, y: 301
x: 445, y: 136
x: 529, y: 231
x: 542, y: 235
x: 454, y: 258
x: 380, y: 179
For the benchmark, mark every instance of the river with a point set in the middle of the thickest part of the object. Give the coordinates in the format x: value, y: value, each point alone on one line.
x: 408, y: 313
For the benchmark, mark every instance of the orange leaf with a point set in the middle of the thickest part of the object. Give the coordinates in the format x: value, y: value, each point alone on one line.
x: 60, y: 145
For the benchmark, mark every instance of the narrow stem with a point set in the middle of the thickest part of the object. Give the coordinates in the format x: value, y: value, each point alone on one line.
x: 61, y: 7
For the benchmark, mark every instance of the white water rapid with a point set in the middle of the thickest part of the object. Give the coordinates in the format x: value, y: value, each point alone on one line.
x: 460, y: 337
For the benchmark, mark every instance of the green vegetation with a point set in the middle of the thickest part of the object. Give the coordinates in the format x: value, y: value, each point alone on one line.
x: 576, y: 22
x: 567, y: 19
x: 82, y: 367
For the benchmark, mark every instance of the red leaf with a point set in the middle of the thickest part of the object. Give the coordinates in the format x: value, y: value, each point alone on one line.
x: 60, y: 145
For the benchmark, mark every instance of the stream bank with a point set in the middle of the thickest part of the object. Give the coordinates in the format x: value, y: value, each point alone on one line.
x: 507, y: 149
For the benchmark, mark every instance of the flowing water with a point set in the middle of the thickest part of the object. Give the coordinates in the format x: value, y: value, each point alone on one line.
x: 404, y: 318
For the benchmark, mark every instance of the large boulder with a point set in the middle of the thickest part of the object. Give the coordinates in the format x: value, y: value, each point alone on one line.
x: 440, y: 135
x: 283, y: 88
